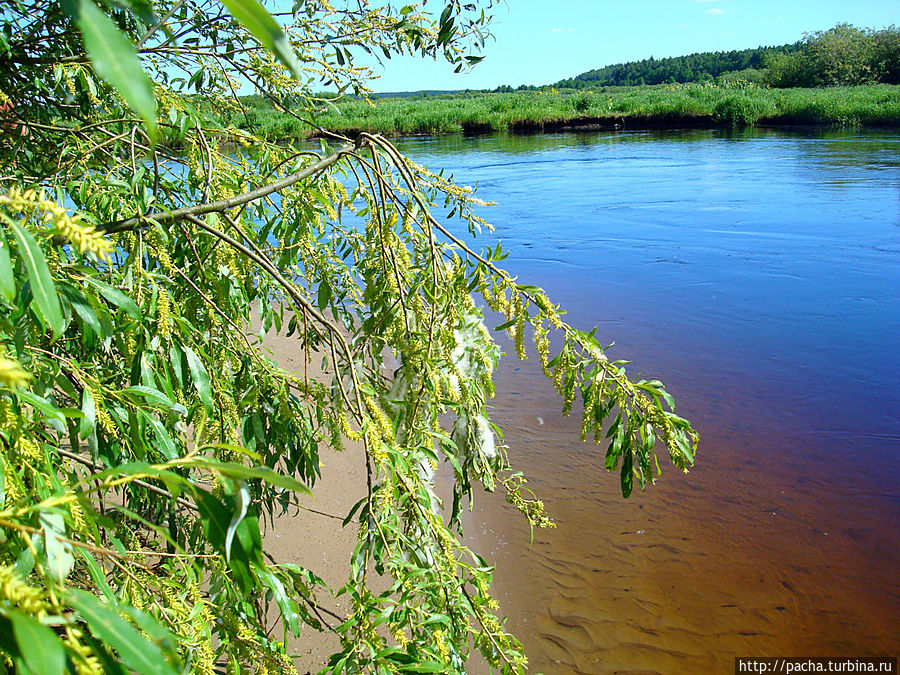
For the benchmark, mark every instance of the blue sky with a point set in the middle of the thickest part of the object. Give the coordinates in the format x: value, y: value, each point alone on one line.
x: 543, y: 41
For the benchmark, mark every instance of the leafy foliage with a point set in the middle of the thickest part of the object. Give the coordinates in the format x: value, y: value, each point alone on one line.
x: 840, y: 56
x: 145, y: 432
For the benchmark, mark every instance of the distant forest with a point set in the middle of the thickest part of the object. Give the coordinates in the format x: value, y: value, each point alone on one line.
x: 701, y: 67
x: 843, y: 55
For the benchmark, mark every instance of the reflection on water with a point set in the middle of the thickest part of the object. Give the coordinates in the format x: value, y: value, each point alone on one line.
x: 756, y: 273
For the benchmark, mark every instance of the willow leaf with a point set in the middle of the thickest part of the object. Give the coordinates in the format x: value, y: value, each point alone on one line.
x: 117, y: 62
x: 200, y: 376
x: 41, y: 650
x: 7, y: 278
x: 242, y: 501
x: 116, y: 297
x: 42, y: 287
x: 136, y: 651
x: 59, y: 553
x: 89, y: 408
x: 258, y: 21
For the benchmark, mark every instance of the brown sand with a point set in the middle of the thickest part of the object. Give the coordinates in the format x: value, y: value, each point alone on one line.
x: 316, y: 542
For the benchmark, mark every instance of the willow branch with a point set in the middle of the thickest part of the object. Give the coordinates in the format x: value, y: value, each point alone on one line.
x: 231, y: 202
x: 147, y: 486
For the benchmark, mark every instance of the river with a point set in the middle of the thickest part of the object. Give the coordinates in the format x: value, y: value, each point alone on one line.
x: 758, y: 274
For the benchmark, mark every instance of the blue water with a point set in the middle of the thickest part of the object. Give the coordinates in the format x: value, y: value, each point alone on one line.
x: 763, y: 257
x: 758, y: 274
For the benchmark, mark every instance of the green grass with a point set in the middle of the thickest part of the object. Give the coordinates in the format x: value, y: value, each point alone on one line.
x: 664, y: 105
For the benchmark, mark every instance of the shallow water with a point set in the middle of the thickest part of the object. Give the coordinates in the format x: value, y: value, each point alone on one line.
x: 758, y: 275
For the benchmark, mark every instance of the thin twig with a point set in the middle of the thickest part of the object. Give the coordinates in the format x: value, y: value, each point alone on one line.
x: 147, y: 486
x: 231, y: 202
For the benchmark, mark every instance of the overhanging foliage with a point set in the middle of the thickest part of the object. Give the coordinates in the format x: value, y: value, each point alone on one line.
x: 144, y: 430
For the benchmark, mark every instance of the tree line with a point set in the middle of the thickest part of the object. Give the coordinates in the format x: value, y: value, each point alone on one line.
x: 843, y: 55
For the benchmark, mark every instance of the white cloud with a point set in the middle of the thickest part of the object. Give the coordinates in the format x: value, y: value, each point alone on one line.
x: 563, y: 30
x: 715, y: 10
x: 708, y: 1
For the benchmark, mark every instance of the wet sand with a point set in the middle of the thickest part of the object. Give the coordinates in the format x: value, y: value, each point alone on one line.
x: 728, y: 561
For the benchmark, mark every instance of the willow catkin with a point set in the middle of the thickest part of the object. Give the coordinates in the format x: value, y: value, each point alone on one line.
x: 21, y: 595
x: 12, y: 374
x: 84, y: 237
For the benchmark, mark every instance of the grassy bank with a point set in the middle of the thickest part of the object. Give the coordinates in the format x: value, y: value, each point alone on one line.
x: 613, y: 107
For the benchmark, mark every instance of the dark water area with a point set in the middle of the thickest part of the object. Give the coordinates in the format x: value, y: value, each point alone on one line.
x: 758, y: 275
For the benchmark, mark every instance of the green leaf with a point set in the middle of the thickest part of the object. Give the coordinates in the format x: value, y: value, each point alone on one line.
x: 7, y: 278
x: 242, y: 501
x: 323, y: 297
x: 241, y: 472
x: 136, y: 651
x: 97, y: 575
x: 166, y: 444
x: 627, y: 475
x: 154, y: 630
x: 424, y: 667
x: 173, y: 481
x: 150, y: 394
x: 83, y: 309
x: 116, y: 297
x: 60, y: 560
x: 287, y: 605
x: 2, y: 480
x: 117, y: 62
x: 200, y: 377
x: 39, y: 647
x: 42, y: 404
x: 88, y: 408
x: 258, y: 21
x: 42, y: 287
x: 246, y: 547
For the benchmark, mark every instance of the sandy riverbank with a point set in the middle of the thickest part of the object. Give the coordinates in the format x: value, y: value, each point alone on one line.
x: 314, y: 541
x: 319, y: 542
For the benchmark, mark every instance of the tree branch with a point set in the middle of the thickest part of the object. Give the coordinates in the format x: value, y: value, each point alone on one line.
x: 231, y: 202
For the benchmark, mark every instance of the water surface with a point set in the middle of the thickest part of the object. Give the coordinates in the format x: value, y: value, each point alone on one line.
x: 758, y: 275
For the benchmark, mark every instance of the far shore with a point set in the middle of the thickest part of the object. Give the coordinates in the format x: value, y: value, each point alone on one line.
x: 660, y: 107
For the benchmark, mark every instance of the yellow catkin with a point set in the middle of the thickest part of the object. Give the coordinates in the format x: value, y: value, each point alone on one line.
x: 163, y: 313
x: 29, y: 450
x: 12, y: 374
x: 82, y: 236
x: 518, y: 336
x: 78, y: 522
x: 381, y: 420
x: 400, y: 637
x: 156, y: 243
x: 440, y: 644
x: 106, y: 422
x: 6, y: 417
x: 230, y: 420
x: 87, y: 662
x: 13, y: 487
x: 587, y: 420
x: 136, y: 593
x: 204, y: 660
x: 19, y: 594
